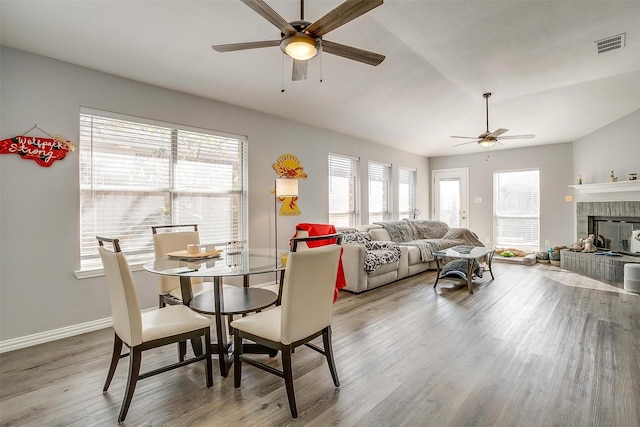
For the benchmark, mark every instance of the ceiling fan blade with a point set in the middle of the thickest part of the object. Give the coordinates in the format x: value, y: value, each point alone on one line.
x: 350, y: 52
x: 242, y: 46
x: 264, y: 10
x: 518, y: 137
x: 498, y: 132
x: 466, y: 137
x: 299, y: 70
x: 347, y: 11
x: 465, y: 143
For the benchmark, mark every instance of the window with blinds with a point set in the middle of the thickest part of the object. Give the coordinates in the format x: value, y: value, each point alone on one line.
x: 343, y: 190
x: 516, y: 206
x: 407, y: 182
x: 135, y: 173
x: 379, y: 191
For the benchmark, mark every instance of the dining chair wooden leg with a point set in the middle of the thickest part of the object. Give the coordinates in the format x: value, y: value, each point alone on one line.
x: 237, y: 360
x: 135, y: 357
x: 288, y: 379
x: 328, y: 352
x: 115, y: 357
x: 182, y: 351
x: 207, y: 352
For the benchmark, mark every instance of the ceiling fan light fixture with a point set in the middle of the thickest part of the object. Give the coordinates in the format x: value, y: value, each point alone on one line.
x: 487, y: 142
x: 299, y: 46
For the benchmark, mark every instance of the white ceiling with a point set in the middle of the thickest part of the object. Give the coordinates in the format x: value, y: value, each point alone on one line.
x: 537, y: 57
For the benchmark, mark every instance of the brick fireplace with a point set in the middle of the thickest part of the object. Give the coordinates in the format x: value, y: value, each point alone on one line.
x: 601, y: 266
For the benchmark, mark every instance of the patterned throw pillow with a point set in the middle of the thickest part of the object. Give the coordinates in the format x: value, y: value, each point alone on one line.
x: 353, y: 236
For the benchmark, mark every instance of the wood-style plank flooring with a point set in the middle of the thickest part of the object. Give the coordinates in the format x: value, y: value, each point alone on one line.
x: 537, y: 346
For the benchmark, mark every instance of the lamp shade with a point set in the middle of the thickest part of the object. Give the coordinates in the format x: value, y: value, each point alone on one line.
x: 286, y: 187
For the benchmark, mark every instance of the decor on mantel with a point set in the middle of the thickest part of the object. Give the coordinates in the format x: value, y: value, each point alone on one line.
x: 633, y: 176
x: 44, y: 151
x: 579, y: 179
x: 613, y: 176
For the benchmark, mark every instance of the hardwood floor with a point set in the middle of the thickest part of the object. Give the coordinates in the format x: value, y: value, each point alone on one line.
x: 537, y: 346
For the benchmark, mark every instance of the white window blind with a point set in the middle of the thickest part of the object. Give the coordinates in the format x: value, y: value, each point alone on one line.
x: 516, y: 205
x: 136, y: 173
x: 407, y: 182
x: 379, y: 191
x: 343, y: 190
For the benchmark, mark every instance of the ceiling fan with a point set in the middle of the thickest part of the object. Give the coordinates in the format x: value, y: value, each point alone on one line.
x: 302, y: 40
x: 487, y: 139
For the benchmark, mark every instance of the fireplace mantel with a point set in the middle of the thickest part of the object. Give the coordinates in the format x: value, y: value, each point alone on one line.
x: 608, y: 187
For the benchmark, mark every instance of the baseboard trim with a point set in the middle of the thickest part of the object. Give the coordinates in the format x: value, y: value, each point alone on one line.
x: 53, y: 335
x: 66, y: 332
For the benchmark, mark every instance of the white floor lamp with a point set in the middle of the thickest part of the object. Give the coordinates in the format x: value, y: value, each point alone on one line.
x: 285, y: 187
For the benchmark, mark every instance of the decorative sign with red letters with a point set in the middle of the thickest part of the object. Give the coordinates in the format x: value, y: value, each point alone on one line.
x: 44, y: 151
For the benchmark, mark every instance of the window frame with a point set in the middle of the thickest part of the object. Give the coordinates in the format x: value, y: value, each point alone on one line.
x: 383, y: 170
x: 175, y: 175
x: 410, y: 175
x: 352, y: 167
x: 533, y: 245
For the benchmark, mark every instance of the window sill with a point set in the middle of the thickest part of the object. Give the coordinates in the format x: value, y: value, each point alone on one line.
x: 88, y: 273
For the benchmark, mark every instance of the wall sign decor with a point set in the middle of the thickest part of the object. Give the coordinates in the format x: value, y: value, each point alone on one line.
x: 43, y: 150
x: 289, y: 166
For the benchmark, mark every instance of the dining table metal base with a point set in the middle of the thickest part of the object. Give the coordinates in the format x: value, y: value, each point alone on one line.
x: 231, y: 301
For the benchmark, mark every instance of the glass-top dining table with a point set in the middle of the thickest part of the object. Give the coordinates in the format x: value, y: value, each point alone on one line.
x: 222, y: 301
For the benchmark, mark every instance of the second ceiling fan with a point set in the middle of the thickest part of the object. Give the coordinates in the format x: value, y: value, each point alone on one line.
x: 302, y: 40
x: 487, y: 139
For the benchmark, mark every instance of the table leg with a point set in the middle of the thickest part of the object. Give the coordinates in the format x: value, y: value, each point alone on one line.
x: 221, y: 333
x: 470, y: 274
x: 437, y: 271
x: 490, y: 258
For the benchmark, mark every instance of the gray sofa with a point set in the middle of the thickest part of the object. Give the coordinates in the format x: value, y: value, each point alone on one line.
x: 369, y: 251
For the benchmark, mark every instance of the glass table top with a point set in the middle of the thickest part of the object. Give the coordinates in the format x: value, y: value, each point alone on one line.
x: 240, y: 263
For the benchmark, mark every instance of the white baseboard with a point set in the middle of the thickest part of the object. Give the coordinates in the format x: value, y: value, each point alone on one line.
x: 66, y: 332
x: 55, y: 334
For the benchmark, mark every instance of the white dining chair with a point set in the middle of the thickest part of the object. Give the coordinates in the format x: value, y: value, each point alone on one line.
x: 143, y: 331
x: 304, y: 314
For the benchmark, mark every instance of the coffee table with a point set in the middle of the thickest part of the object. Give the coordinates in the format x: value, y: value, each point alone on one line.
x: 469, y: 253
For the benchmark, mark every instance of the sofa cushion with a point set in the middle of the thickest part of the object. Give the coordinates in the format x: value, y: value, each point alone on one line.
x: 414, y: 255
x: 379, y: 234
x: 383, y: 269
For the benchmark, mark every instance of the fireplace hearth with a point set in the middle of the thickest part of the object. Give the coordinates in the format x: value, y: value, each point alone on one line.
x: 616, y: 225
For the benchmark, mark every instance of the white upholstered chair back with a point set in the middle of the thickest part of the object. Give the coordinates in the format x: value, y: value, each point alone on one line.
x: 125, y: 306
x: 163, y: 243
x: 307, y: 294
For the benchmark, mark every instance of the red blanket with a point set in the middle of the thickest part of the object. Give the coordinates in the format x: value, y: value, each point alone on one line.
x: 319, y: 230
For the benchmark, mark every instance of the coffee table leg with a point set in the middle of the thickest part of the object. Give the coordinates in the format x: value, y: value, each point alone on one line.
x: 437, y: 271
x: 470, y: 274
x: 489, y: 264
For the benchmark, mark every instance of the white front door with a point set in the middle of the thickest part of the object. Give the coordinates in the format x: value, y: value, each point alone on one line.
x: 450, y: 197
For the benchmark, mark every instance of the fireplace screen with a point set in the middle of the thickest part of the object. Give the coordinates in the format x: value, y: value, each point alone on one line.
x: 616, y: 234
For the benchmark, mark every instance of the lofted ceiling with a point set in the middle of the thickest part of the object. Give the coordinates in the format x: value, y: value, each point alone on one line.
x: 536, y: 57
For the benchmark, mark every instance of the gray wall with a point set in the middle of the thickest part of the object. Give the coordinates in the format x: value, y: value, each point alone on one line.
x: 614, y: 147
x: 555, y: 163
x: 39, y: 207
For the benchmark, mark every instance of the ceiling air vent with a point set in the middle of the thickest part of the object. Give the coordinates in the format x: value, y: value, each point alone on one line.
x: 610, y: 43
